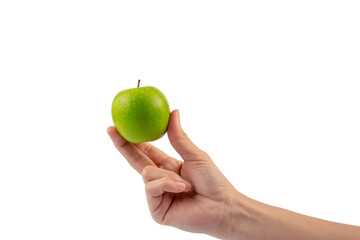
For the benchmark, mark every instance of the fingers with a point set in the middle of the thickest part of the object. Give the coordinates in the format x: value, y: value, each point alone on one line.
x: 180, y: 141
x: 153, y: 153
x: 160, y: 158
x: 151, y: 173
x: 136, y: 158
x: 159, y: 186
x: 159, y: 195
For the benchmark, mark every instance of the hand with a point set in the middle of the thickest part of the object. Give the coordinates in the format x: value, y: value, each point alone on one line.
x: 192, y: 195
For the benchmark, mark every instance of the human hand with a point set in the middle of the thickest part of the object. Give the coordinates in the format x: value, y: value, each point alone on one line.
x: 192, y: 195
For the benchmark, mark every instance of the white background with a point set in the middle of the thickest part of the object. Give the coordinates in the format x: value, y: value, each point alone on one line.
x: 270, y: 89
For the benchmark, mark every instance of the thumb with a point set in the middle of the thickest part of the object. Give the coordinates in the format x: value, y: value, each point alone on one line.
x: 181, y: 142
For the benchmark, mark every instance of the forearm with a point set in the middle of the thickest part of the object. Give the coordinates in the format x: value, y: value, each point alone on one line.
x: 253, y: 220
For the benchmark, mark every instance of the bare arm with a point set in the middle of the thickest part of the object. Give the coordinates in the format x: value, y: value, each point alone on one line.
x: 193, y: 195
x: 250, y: 219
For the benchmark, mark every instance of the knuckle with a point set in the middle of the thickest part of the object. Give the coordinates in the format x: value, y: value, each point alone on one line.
x: 184, y: 136
x: 147, y: 148
x: 204, y: 154
x: 174, y: 176
x: 200, y: 155
x: 158, y: 218
x: 147, y: 187
x: 180, y: 136
x: 146, y: 172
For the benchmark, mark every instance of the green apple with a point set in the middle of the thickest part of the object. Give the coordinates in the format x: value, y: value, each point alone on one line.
x: 141, y: 114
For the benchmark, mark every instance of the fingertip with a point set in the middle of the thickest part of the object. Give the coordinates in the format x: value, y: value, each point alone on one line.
x: 174, y: 124
x: 188, y: 186
x: 109, y: 129
x: 115, y: 136
x: 177, y: 115
x: 180, y: 186
x: 179, y: 139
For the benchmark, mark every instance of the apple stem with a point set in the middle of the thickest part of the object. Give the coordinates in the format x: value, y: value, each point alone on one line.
x: 138, y: 83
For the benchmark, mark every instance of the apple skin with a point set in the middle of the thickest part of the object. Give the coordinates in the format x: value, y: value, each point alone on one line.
x: 141, y: 114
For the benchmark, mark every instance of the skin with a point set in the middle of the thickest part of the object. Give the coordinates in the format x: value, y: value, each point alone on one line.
x: 193, y: 195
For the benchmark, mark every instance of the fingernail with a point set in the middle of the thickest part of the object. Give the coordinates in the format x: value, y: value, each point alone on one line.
x: 180, y: 185
x: 178, y: 118
x: 188, y: 185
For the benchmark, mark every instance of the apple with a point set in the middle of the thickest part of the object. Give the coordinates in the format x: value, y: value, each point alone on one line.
x: 140, y: 114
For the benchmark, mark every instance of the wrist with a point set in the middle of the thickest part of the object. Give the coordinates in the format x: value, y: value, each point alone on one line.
x: 247, y: 218
x: 240, y: 217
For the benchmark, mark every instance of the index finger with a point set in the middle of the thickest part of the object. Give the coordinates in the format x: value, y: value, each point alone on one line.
x: 136, y: 158
x: 161, y: 159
